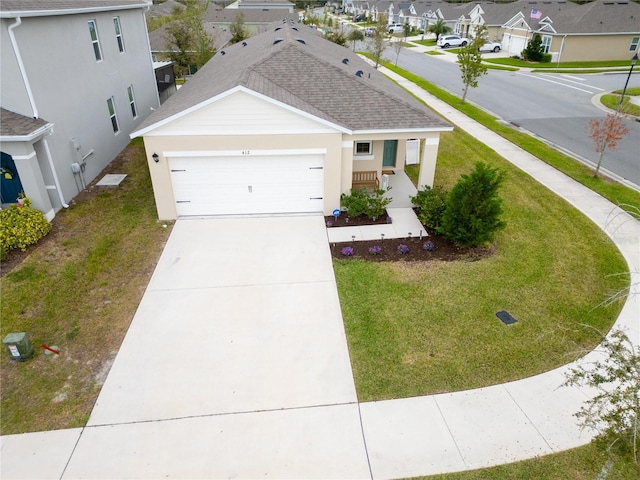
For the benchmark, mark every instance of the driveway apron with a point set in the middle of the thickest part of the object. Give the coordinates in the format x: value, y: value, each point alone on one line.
x: 237, y: 352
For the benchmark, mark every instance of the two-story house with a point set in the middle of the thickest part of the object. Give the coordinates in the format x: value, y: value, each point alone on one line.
x: 77, y: 79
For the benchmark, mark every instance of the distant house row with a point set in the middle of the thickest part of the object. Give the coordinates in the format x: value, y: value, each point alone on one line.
x: 599, y: 30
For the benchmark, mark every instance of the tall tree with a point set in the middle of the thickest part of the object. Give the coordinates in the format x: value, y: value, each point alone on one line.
x: 238, y: 30
x: 606, y: 133
x: 438, y: 28
x: 188, y: 42
x: 470, y: 61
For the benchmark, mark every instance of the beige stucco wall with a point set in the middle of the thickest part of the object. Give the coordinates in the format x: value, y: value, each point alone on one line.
x: 164, y: 146
x: 592, y: 48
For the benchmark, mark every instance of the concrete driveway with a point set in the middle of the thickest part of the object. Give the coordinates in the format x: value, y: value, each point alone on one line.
x: 236, y: 363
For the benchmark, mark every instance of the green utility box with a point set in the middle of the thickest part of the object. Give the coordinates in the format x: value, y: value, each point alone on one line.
x: 18, y: 346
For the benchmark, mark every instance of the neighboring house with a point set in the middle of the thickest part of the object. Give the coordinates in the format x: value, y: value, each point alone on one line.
x: 255, y: 20
x: 281, y: 123
x: 598, y: 30
x: 77, y: 78
x: 282, y: 5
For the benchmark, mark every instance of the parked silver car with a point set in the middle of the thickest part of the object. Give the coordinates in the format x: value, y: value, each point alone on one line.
x: 446, y: 41
x: 491, y: 47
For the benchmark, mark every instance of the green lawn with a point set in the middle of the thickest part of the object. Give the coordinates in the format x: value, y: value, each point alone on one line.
x: 583, y: 463
x: 419, y: 329
x: 79, y: 290
x: 514, y: 62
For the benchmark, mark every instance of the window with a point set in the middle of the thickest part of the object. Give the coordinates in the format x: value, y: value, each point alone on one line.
x: 132, y: 101
x: 363, y: 148
x: 111, y: 105
x: 116, y: 25
x: 93, y: 31
x: 634, y: 44
x: 546, y: 43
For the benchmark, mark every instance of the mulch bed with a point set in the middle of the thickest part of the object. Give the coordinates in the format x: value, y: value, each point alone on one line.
x: 444, y: 249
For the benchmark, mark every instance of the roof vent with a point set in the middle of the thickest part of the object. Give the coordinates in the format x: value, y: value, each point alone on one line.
x: 359, y: 73
x: 277, y: 40
x: 277, y: 28
x: 294, y: 28
x: 345, y: 61
x: 301, y: 41
x: 222, y: 52
x: 244, y: 44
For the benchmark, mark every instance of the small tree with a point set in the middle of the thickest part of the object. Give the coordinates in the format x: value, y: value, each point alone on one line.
x: 354, y: 36
x: 431, y: 203
x: 439, y: 28
x: 238, y: 30
x: 362, y: 202
x: 376, y: 46
x: 534, y: 49
x: 615, y: 409
x: 470, y: 61
x: 187, y: 41
x: 472, y: 214
x: 606, y: 133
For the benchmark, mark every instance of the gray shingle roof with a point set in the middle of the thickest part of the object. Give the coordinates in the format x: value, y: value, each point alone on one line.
x: 294, y: 65
x: 15, y: 125
x: 26, y: 8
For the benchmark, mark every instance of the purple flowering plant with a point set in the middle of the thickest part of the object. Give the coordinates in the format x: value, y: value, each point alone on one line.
x: 375, y: 250
x: 347, y: 251
x: 403, y: 249
x: 428, y: 246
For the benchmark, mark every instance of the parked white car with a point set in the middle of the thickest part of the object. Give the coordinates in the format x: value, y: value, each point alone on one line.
x: 396, y: 28
x: 446, y: 41
x: 491, y: 47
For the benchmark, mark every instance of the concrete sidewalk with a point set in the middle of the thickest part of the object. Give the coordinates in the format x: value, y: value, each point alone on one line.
x: 303, y: 438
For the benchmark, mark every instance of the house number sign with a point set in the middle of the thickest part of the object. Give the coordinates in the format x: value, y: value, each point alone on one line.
x: 246, y: 152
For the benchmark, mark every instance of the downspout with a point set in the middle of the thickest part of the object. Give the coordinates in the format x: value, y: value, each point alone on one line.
x: 23, y: 71
x: 53, y: 171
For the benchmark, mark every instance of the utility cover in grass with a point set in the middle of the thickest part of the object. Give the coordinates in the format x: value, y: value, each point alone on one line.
x: 506, y: 318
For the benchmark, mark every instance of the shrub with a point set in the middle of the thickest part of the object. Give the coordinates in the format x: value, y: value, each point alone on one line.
x: 375, y: 250
x: 361, y: 202
x: 534, y: 50
x: 472, y: 215
x: 431, y: 203
x: 546, y: 58
x: 21, y: 226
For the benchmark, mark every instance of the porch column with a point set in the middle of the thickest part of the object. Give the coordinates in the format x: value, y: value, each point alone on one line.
x: 26, y: 160
x: 428, y: 161
x: 347, y: 166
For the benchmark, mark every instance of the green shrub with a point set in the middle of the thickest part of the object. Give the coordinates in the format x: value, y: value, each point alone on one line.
x: 431, y: 203
x: 361, y: 202
x: 21, y: 226
x: 546, y: 58
x: 472, y: 215
x: 534, y: 50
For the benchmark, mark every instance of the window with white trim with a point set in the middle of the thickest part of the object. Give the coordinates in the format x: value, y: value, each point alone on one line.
x: 132, y: 101
x: 546, y: 43
x: 634, y: 44
x: 93, y: 31
x: 362, y: 148
x: 111, y: 105
x: 116, y: 25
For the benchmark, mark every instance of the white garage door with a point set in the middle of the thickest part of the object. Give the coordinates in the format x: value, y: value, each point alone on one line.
x: 248, y: 185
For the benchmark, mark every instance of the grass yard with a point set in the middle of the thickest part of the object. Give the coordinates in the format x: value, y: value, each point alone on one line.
x: 78, y: 290
x: 583, y: 463
x: 419, y: 329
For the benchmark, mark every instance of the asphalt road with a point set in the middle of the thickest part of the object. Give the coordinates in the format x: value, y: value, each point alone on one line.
x: 555, y: 107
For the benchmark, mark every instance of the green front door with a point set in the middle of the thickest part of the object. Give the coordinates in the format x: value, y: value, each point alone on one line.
x: 389, y: 153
